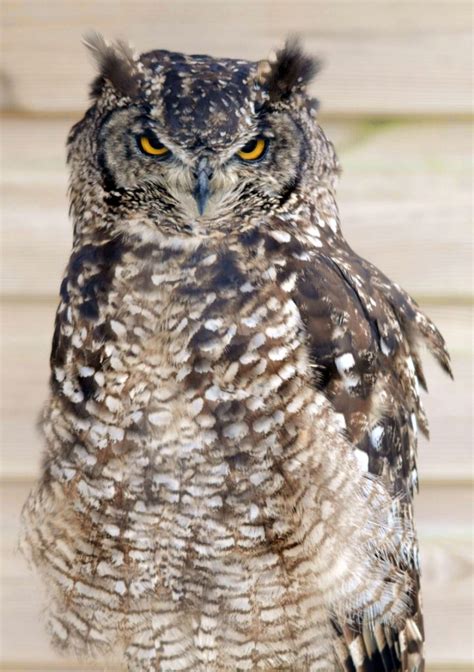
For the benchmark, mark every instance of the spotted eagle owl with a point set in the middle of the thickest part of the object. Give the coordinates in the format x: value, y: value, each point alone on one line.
x: 231, y: 429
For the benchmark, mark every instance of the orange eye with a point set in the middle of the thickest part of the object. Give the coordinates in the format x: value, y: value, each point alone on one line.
x: 152, y: 146
x: 253, y: 150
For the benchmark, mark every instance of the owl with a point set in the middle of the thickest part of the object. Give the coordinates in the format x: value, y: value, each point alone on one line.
x: 230, y: 434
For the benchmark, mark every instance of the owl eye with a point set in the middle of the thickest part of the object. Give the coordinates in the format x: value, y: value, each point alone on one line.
x: 153, y: 146
x: 253, y: 150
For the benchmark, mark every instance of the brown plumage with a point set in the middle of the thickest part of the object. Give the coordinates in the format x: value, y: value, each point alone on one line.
x: 231, y: 431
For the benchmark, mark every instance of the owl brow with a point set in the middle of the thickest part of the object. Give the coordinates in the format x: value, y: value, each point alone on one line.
x: 263, y: 125
x: 146, y: 120
x: 149, y: 126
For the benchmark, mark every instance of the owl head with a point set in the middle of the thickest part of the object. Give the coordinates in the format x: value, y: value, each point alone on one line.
x: 178, y: 145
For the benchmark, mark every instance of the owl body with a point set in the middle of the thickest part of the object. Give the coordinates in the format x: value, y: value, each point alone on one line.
x: 230, y: 433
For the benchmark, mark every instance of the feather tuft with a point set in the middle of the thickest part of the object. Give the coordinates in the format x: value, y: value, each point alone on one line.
x: 291, y: 69
x: 116, y: 65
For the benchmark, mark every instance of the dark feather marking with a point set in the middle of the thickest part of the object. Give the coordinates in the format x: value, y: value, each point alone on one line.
x: 226, y: 272
x: 89, y: 309
x: 349, y: 665
x: 295, y: 180
x: 63, y: 290
x: 350, y: 285
x: 237, y: 347
x: 58, y: 347
x: 88, y: 387
x: 201, y: 337
x: 250, y: 238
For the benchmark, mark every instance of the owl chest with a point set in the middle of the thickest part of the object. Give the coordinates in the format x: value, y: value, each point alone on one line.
x: 189, y: 378
x: 165, y: 334
x: 198, y: 398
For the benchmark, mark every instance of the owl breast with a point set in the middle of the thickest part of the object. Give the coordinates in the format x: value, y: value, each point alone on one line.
x: 185, y: 379
x: 189, y: 460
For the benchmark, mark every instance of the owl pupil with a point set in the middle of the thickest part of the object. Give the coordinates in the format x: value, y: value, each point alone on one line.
x: 250, y: 146
x: 155, y: 143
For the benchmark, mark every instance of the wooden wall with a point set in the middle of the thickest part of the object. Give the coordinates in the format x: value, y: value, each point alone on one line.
x: 396, y: 98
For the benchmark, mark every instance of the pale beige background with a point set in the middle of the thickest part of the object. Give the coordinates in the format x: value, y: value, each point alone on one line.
x: 396, y: 99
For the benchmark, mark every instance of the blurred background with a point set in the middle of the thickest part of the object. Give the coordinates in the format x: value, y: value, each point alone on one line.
x: 395, y: 98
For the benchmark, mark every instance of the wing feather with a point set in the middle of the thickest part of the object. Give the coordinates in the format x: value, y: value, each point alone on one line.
x: 364, y: 335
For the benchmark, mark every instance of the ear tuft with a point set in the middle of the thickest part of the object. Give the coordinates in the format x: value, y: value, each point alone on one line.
x: 290, y: 70
x: 116, y: 65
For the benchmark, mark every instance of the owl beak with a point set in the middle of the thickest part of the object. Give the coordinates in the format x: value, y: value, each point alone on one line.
x: 201, y: 191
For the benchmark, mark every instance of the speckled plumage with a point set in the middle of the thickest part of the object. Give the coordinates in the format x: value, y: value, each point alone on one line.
x: 231, y: 430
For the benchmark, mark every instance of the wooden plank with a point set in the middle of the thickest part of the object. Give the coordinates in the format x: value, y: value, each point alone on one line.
x: 444, y: 523
x: 405, y: 200
x: 27, y: 334
x: 36, y: 233
x: 448, y: 453
x: 383, y: 57
x: 406, y: 204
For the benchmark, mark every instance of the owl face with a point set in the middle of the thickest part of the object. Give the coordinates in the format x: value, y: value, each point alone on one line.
x: 187, y: 144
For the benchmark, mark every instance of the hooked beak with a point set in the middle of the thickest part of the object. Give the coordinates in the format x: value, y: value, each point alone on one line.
x: 201, y: 191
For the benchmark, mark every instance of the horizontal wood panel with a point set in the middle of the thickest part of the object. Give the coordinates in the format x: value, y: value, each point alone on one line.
x: 443, y: 520
x: 382, y: 56
x: 405, y: 201
x: 27, y: 334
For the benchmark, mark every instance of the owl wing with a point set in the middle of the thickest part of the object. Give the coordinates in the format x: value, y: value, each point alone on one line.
x: 364, y: 334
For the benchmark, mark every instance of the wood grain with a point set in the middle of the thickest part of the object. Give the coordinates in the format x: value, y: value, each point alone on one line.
x: 405, y: 201
x: 27, y: 333
x: 443, y: 519
x: 381, y: 56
